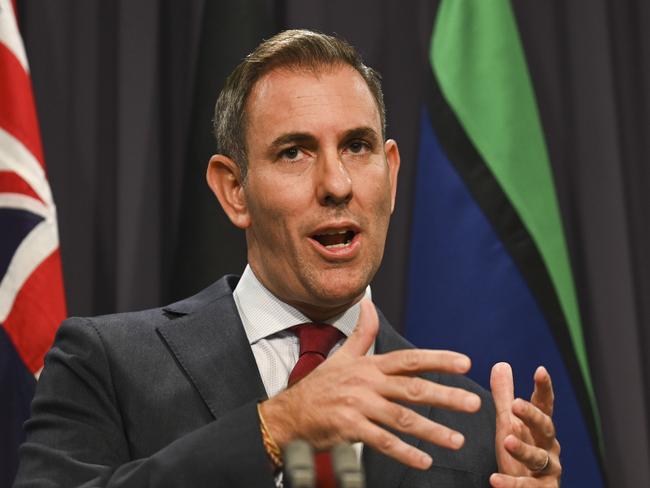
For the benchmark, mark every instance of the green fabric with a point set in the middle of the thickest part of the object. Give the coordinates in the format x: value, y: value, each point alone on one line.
x: 477, y: 57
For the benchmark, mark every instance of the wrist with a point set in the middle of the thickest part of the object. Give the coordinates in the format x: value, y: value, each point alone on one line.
x: 271, y: 447
x: 277, y: 420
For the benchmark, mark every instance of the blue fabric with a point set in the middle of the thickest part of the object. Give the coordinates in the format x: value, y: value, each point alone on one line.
x: 466, y: 294
x: 16, y: 224
x: 16, y: 391
x: 16, y: 382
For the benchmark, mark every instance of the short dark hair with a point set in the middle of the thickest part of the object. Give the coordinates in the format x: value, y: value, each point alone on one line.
x: 291, y: 48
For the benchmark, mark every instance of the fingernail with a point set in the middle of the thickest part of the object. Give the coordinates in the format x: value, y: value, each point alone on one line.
x: 518, y: 405
x: 495, y: 480
x: 472, y: 402
x: 462, y: 363
x: 426, y: 460
x: 512, y: 440
x: 503, y: 367
x: 457, y: 439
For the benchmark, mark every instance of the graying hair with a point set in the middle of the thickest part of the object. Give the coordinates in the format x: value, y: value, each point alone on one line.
x: 291, y: 48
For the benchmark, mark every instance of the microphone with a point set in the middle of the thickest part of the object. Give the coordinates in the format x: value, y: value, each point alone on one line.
x: 299, y: 464
x: 347, y: 469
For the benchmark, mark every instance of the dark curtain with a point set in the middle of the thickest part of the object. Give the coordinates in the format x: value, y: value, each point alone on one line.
x: 113, y: 83
x: 125, y: 92
x: 590, y: 68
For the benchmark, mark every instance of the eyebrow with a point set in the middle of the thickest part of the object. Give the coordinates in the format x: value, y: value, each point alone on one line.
x: 306, y: 139
x: 362, y: 133
x: 292, y: 138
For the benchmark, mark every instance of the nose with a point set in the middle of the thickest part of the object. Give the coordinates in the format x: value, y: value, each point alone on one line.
x: 334, y: 184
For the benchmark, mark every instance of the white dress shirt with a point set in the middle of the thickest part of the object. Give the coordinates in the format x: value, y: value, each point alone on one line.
x: 266, y: 319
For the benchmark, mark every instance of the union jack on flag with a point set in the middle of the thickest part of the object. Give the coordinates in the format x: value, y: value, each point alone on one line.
x: 32, y: 303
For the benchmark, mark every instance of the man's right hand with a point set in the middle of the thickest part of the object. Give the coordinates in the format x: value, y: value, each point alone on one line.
x: 351, y: 396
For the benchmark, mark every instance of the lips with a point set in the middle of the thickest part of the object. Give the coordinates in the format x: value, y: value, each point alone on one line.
x: 337, y: 241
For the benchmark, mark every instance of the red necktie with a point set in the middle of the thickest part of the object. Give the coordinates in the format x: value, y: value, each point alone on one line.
x: 316, y: 341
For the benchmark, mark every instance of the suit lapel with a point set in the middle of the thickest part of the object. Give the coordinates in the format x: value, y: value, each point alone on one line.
x: 382, y: 471
x: 208, y: 341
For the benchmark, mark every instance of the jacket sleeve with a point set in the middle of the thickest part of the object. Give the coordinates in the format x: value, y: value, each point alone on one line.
x: 76, y: 436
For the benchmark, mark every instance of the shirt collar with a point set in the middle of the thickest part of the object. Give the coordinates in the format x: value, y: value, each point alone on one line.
x: 263, y: 314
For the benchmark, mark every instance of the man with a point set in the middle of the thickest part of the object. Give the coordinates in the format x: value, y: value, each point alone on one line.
x: 195, y: 394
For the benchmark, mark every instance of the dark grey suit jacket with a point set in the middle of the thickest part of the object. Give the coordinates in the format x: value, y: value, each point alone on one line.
x: 167, y: 398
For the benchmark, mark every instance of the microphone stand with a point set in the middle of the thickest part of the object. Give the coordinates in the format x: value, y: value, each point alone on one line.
x: 347, y: 468
x: 300, y: 470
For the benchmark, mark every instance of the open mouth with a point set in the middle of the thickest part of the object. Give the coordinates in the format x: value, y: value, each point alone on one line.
x: 335, y: 239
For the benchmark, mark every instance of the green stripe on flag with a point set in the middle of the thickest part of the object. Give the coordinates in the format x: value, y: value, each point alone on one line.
x: 477, y: 57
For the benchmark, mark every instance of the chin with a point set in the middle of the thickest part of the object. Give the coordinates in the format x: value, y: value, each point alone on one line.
x: 338, y: 297
x: 336, y: 289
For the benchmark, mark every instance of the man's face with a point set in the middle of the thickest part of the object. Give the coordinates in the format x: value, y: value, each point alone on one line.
x: 320, y: 187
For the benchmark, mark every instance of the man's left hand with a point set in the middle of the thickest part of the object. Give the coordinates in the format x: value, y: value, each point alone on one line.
x: 528, y: 453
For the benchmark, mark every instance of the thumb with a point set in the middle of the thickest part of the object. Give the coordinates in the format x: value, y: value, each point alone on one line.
x: 364, y: 333
x: 503, y: 393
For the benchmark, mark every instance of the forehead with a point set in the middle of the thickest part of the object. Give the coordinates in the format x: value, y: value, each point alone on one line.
x: 334, y: 98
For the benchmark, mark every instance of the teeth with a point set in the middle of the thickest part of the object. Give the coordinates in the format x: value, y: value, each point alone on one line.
x: 335, y: 239
x: 336, y: 246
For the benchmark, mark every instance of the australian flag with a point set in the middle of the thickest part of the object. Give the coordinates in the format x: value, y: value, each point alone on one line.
x: 32, y: 303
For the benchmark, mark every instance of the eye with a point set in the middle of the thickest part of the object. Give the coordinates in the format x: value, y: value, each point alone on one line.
x: 290, y: 153
x: 357, y: 147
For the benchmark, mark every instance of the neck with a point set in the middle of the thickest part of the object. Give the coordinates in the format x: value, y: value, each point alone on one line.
x: 317, y: 310
x: 322, y: 314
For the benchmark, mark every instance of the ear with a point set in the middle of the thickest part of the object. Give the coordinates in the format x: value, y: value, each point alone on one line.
x: 393, y: 160
x: 225, y: 181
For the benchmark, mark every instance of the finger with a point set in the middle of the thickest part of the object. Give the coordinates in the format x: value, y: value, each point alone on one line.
x: 412, y: 361
x: 498, y: 480
x: 364, y: 333
x: 543, y: 397
x: 503, y: 390
x: 421, y: 391
x: 503, y: 394
x: 534, y: 458
x: 392, y: 446
x: 539, y: 424
x: 408, y: 421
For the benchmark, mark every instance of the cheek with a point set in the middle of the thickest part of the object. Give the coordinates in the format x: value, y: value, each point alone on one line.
x: 281, y: 194
x: 274, y: 215
x: 373, y: 191
x: 265, y: 196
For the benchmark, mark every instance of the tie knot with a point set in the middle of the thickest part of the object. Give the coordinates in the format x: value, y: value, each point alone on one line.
x: 318, y: 338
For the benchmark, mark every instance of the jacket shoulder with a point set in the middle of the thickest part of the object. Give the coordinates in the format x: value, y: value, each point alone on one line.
x: 154, y: 317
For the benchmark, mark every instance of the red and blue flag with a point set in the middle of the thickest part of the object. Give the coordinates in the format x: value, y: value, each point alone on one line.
x: 32, y: 303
